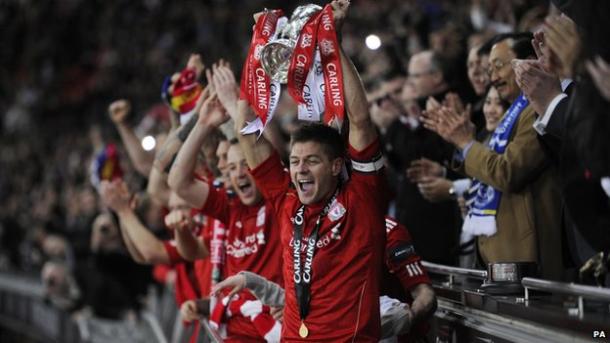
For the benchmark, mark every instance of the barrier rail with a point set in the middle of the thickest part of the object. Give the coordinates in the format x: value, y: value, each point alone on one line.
x: 25, y: 314
x: 580, y: 291
x: 452, y: 272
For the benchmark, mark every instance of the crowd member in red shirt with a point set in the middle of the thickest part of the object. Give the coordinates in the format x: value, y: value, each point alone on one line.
x: 332, y: 267
x: 252, y: 234
x: 196, y: 249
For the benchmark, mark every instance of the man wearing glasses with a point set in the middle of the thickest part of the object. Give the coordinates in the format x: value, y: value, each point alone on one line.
x: 518, y: 198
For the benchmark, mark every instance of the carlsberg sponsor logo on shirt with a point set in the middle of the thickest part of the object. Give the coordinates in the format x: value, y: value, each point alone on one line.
x: 250, y: 245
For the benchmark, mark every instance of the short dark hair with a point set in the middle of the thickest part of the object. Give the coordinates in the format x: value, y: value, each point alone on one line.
x: 521, y: 44
x: 329, y: 138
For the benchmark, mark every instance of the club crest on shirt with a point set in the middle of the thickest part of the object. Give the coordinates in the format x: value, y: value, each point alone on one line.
x: 337, y: 210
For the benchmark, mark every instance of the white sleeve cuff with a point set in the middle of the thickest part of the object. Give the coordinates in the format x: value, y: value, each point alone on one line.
x: 541, y: 122
x: 369, y: 167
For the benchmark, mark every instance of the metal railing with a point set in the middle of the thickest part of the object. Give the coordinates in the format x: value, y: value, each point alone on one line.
x: 452, y: 272
x: 24, y: 312
x: 581, y: 292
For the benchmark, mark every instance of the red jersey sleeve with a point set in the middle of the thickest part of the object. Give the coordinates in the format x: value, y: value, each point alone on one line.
x: 367, y: 170
x: 271, y: 177
x: 217, y: 205
x: 401, y: 258
x: 172, y: 252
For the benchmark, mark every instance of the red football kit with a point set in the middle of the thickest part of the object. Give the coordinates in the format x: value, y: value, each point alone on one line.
x: 186, y: 284
x: 344, y: 271
x: 203, y: 267
x: 252, y: 244
x: 405, y: 272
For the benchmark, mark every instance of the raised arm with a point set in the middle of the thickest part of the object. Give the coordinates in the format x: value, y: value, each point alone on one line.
x: 157, y: 187
x: 361, y: 129
x: 151, y: 250
x: 256, y: 149
x: 131, y: 247
x: 181, y: 178
x: 189, y: 246
x: 142, y: 160
x: 167, y: 152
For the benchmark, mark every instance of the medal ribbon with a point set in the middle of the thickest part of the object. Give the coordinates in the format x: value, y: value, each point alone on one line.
x: 303, y: 276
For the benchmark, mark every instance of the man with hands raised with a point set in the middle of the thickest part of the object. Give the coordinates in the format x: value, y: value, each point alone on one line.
x: 252, y: 233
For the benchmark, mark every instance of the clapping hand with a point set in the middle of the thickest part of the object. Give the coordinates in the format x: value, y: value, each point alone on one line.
x: 456, y: 128
x: 600, y: 73
x: 211, y: 112
x: 434, y: 189
x: 562, y: 37
x: 538, y: 86
x: 225, y: 86
x: 424, y: 167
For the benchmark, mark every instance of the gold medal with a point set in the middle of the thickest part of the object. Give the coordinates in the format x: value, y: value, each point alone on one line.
x: 303, y: 331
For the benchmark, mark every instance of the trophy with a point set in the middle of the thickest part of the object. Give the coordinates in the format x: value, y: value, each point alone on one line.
x: 276, y: 55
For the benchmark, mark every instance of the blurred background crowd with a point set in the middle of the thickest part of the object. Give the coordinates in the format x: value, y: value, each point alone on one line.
x: 63, y: 62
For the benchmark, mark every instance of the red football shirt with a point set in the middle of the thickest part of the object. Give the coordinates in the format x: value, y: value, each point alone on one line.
x: 186, y: 286
x: 203, y: 267
x: 404, y: 264
x: 344, y: 304
x: 252, y: 244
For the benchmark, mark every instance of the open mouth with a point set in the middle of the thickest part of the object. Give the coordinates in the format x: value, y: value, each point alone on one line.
x: 305, y: 185
x: 245, y: 187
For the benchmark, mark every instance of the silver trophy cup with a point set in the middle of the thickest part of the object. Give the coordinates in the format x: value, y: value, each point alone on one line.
x: 276, y: 55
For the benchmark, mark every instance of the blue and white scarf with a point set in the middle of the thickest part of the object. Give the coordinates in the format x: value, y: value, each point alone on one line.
x: 481, y: 217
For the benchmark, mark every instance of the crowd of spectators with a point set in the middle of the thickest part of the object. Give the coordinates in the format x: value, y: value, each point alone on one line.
x: 437, y: 89
x: 65, y: 61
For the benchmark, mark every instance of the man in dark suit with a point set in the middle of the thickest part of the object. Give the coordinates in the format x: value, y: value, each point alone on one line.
x: 586, y: 215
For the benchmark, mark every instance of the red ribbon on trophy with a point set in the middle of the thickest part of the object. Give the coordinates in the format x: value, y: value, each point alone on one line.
x: 334, y: 93
x: 302, y: 59
x: 308, y: 90
x: 255, y: 83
